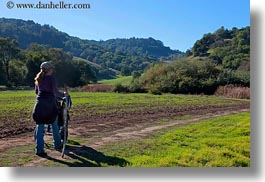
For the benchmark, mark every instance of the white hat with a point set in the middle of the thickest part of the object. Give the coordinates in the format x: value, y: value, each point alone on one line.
x: 46, y: 65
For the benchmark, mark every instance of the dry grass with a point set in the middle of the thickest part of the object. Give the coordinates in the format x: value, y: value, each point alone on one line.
x: 97, y: 88
x: 233, y: 91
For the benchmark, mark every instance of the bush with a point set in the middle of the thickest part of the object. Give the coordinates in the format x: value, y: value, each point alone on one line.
x: 155, y: 91
x: 120, y: 88
x: 183, y: 76
x: 136, y: 87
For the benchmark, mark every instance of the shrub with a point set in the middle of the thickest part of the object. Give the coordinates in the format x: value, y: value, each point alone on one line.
x: 136, y: 87
x: 183, y: 76
x: 155, y: 91
x: 120, y: 88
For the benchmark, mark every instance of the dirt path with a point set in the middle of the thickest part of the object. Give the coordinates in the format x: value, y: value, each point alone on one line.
x: 131, y: 132
x: 93, y: 126
x: 21, y: 140
x: 139, y: 133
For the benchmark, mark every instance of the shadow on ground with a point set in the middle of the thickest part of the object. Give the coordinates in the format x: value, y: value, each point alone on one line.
x: 84, y: 156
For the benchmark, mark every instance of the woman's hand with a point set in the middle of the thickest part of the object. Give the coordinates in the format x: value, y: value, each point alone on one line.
x: 65, y: 93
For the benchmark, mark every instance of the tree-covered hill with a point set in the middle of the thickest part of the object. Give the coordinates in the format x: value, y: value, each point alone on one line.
x: 139, y: 47
x: 217, y: 59
x: 229, y: 48
x: 125, y: 55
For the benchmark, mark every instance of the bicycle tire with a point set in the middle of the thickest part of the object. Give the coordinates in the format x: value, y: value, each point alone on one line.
x: 65, y: 139
x: 65, y: 128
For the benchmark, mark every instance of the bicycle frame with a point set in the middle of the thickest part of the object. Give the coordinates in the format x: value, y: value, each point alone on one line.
x: 66, y: 105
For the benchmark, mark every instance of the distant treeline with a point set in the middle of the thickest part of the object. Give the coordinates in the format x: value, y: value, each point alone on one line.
x: 123, y: 55
x: 19, y: 67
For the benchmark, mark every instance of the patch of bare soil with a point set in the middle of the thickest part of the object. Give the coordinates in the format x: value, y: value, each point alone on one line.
x: 143, y: 132
x: 87, y: 126
x: 93, y: 126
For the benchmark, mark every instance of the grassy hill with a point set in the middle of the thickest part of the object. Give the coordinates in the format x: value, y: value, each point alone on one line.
x: 124, y: 80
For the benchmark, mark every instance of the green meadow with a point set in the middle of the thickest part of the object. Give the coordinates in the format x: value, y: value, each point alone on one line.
x: 219, y: 142
x: 222, y: 141
x: 21, y: 103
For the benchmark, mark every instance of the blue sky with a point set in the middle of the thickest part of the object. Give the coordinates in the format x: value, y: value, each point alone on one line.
x: 178, y: 24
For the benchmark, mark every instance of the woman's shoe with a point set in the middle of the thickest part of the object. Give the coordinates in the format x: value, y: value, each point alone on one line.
x: 43, y: 154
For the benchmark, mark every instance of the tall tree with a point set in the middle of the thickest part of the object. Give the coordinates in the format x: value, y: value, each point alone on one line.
x: 2, y: 75
x: 8, y: 51
x: 18, y: 72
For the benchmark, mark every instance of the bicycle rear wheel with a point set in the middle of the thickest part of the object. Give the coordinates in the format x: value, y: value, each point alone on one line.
x: 65, y: 135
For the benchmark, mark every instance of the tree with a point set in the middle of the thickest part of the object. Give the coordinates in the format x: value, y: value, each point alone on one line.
x: 222, y: 33
x: 18, y: 72
x: 201, y: 46
x: 33, y: 60
x: 125, y: 71
x: 136, y: 74
x: 2, y: 75
x: 188, y: 53
x: 87, y: 74
x: 8, y: 51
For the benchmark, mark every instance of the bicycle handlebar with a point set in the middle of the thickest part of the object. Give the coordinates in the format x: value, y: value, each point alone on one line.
x: 66, y: 99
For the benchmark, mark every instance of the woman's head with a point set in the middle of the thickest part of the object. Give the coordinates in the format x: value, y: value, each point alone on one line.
x: 46, y: 65
x: 46, y: 69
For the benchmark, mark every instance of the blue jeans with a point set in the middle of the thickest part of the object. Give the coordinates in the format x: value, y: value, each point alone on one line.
x: 40, y: 134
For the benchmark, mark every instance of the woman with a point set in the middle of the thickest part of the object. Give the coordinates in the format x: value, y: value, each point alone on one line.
x: 45, y: 110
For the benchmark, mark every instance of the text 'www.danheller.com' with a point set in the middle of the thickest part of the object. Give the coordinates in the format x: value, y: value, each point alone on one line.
x: 49, y: 5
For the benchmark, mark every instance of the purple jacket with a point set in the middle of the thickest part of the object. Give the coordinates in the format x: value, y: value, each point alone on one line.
x: 45, y: 109
x: 48, y: 85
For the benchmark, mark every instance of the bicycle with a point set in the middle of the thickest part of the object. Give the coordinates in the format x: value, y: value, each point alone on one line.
x: 65, y: 106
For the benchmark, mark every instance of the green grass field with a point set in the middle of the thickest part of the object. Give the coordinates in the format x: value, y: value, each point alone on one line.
x: 19, y: 104
x: 221, y: 141
x: 124, y: 80
x: 218, y: 142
